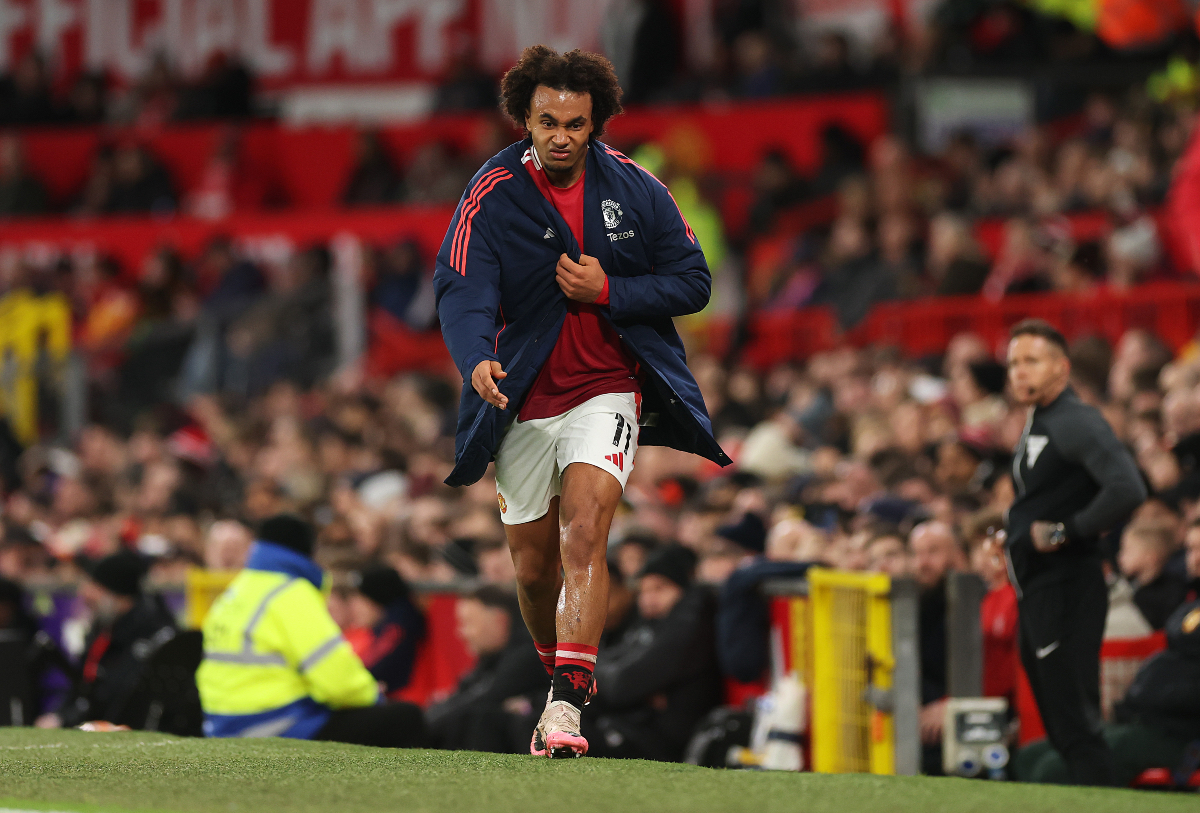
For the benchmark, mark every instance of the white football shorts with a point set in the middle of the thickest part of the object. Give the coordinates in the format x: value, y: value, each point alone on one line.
x: 602, y: 431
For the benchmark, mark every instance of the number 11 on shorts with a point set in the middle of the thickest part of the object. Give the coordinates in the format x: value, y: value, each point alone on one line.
x: 626, y: 428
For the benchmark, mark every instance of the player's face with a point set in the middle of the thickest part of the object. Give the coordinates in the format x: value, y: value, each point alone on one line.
x: 560, y: 122
x: 1037, y: 369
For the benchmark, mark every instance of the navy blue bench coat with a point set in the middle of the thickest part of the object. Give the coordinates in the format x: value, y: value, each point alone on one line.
x: 497, y: 297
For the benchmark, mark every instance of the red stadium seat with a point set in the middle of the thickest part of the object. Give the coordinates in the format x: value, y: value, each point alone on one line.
x: 737, y: 693
x: 62, y: 157
x: 1164, y: 779
x: 442, y: 658
x: 396, y: 348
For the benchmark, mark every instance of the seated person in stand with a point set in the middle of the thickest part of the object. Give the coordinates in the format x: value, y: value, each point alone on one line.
x: 743, y: 615
x: 622, y: 607
x: 496, y: 703
x: 998, y: 610
x: 276, y: 664
x: 46, y: 666
x: 659, y: 682
x: 125, y: 622
x: 1145, y: 549
x: 1157, y: 723
x: 935, y: 553
x: 392, y: 626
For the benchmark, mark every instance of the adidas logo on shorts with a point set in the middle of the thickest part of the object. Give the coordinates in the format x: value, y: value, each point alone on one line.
x: 617, y: 459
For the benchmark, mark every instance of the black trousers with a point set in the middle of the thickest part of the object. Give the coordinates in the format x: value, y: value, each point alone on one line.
x: 1062, y: 627
x: 393, y: 725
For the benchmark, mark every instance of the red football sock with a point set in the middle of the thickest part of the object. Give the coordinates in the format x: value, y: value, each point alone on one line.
x: 546, y: 655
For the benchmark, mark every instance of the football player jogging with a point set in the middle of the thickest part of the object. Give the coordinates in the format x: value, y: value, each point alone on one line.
x: 556, y: 284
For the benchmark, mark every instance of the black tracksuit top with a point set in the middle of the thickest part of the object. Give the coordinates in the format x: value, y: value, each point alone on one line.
x: 1068, y: 467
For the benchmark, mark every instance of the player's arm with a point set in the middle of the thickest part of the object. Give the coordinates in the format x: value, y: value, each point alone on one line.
x: 1087, y: 439
x: 466, y: 282
x: 679, y: 282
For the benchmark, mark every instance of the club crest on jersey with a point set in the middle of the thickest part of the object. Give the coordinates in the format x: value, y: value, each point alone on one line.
x: 503, y: 504
x: 612, y: 213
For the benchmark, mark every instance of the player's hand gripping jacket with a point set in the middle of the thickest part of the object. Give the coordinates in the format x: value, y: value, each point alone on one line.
x: 498, y: 299
x: 275, y: 662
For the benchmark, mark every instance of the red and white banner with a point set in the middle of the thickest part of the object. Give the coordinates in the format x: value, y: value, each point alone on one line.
x: 292, y: 42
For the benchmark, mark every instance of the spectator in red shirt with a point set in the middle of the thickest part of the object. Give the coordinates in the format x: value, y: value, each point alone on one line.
x: 998, y: 612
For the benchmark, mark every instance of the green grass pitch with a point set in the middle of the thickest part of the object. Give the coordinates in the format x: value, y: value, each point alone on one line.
x: 73, y: 771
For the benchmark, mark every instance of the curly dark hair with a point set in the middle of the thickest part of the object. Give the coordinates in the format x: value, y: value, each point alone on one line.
x: 576, y: 71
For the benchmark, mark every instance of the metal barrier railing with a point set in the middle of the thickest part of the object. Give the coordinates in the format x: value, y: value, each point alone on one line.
x: 852, y: 672
x: 850, y: 639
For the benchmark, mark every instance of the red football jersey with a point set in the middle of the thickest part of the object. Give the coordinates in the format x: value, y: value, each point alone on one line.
x: 588, y: 359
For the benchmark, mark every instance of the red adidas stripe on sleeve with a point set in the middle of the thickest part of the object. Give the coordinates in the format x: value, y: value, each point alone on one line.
x: 462, y: 214
x: 462, y: 232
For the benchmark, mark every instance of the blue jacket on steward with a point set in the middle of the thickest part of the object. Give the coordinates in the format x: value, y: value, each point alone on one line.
x: 498, y: 299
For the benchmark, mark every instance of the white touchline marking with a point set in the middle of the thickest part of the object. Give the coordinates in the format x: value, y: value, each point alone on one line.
x: 19, y: 810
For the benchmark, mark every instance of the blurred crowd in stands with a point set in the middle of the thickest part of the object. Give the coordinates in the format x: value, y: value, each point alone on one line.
x: 31, y: 98
x: 758, y: 49
x: 217, y: 402
x: 1067, y: 207
x: 857, y: 459
x: 907, y: 226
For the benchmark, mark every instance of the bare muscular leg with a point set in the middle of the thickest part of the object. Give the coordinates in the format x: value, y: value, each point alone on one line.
x: 535, y: 553
x: 590, y: 496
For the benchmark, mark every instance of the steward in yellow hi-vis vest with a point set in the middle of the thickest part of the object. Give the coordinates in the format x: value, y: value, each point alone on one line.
x: 275, y: 663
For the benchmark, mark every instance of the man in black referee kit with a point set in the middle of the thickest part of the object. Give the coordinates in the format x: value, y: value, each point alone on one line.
x: 1073, y: 480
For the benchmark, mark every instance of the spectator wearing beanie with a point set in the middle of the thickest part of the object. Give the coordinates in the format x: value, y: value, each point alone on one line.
x: 393, y: 626
x: 739, y: 543
x: 743, y: 616
x: 660, y: 680
x: 275, y: 662
x: 124, y: 621
x: 983, y: 405
x: 749, y: 533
